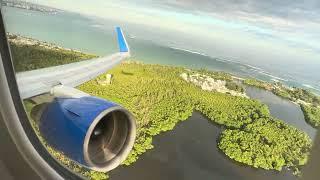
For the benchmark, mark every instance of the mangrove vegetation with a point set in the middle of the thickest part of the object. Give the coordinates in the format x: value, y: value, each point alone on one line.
x: 308, y: 101
x: 258, y: 83
x: 266, y: 143
x: 159, y: 99
x: 312, y: 114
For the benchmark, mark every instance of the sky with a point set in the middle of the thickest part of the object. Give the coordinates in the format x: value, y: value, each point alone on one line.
x: 257, y: 30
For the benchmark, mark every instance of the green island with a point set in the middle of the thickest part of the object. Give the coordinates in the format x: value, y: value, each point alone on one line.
x: 312, y: 115
x: 308, y: 101
x: 160, y: 97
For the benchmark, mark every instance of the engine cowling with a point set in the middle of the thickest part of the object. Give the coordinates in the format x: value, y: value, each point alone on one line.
x: 91, y: 131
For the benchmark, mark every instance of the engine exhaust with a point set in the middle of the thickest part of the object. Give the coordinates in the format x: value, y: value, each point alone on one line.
x: 95, y: 133
x: 109, y: 139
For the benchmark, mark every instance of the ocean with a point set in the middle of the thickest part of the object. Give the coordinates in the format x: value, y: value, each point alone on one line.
x: 97, y: 36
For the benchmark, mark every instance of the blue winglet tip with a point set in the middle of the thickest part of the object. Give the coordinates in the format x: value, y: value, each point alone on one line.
x: 123, y: 46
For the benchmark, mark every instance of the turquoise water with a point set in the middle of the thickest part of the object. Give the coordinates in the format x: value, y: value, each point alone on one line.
x: 97, y: 36
x: 64, y: 29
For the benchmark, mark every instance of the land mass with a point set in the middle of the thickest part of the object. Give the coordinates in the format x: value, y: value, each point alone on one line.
x: 29, y: 6
x: 29, y: 54
x: 161, y: 96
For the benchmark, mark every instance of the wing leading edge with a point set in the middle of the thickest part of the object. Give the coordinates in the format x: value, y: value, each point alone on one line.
x: 37, y: 82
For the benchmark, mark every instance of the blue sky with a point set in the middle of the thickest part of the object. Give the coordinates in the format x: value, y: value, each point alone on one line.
x: 252, y: 29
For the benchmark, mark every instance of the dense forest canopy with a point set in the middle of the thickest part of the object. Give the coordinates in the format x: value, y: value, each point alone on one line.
x: 159, y: 98
x: 312, y: 115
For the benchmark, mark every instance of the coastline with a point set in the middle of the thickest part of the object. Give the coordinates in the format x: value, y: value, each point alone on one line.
x: 30, y: 6
x: 177, y: 155
x: 308, y: 102
x: 184, y: 99
x: 220, y: 108
x: 29, y: 54
x: 23, y: 40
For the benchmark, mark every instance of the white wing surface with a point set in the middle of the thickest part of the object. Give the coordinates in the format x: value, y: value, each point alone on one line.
x: 37, y: 82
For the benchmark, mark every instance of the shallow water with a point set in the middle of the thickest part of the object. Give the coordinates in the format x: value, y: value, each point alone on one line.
x: 190, y: 152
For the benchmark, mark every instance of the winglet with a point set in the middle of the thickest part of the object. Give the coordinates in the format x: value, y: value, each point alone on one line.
x: 123, y: 45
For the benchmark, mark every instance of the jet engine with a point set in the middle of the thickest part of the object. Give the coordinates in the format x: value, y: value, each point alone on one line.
x: 91, y: 131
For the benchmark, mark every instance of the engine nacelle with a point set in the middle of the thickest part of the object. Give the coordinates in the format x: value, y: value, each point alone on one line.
x: 91, y: 131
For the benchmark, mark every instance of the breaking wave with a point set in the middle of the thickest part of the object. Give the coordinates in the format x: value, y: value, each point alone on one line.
x: 96, y: 25
x: 311, y: 87
x: 189, y: 51
x: 272, y: 76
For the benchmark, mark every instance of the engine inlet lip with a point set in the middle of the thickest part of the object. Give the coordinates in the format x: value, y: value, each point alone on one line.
x: 125, y: 150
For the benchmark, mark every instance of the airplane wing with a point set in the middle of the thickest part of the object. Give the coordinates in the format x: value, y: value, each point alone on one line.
x: 37, y: 82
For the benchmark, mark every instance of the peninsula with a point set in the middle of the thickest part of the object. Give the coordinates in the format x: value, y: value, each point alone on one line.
x: 29, y: 6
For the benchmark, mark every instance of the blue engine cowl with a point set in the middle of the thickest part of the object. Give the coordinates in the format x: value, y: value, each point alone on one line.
x: 91, y: 131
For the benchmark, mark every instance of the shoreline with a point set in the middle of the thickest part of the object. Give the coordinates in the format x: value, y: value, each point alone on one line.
x: 30, y: 6
x: 207, y: 152
x: 303, y: 98
x: 210, y: 106
x: 23, y: 40
x: 179, y: 102
x: 30, y: 54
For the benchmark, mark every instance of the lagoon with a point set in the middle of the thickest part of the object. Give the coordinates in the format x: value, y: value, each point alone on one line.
x: 190, y: 152
x: 282, y: 109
